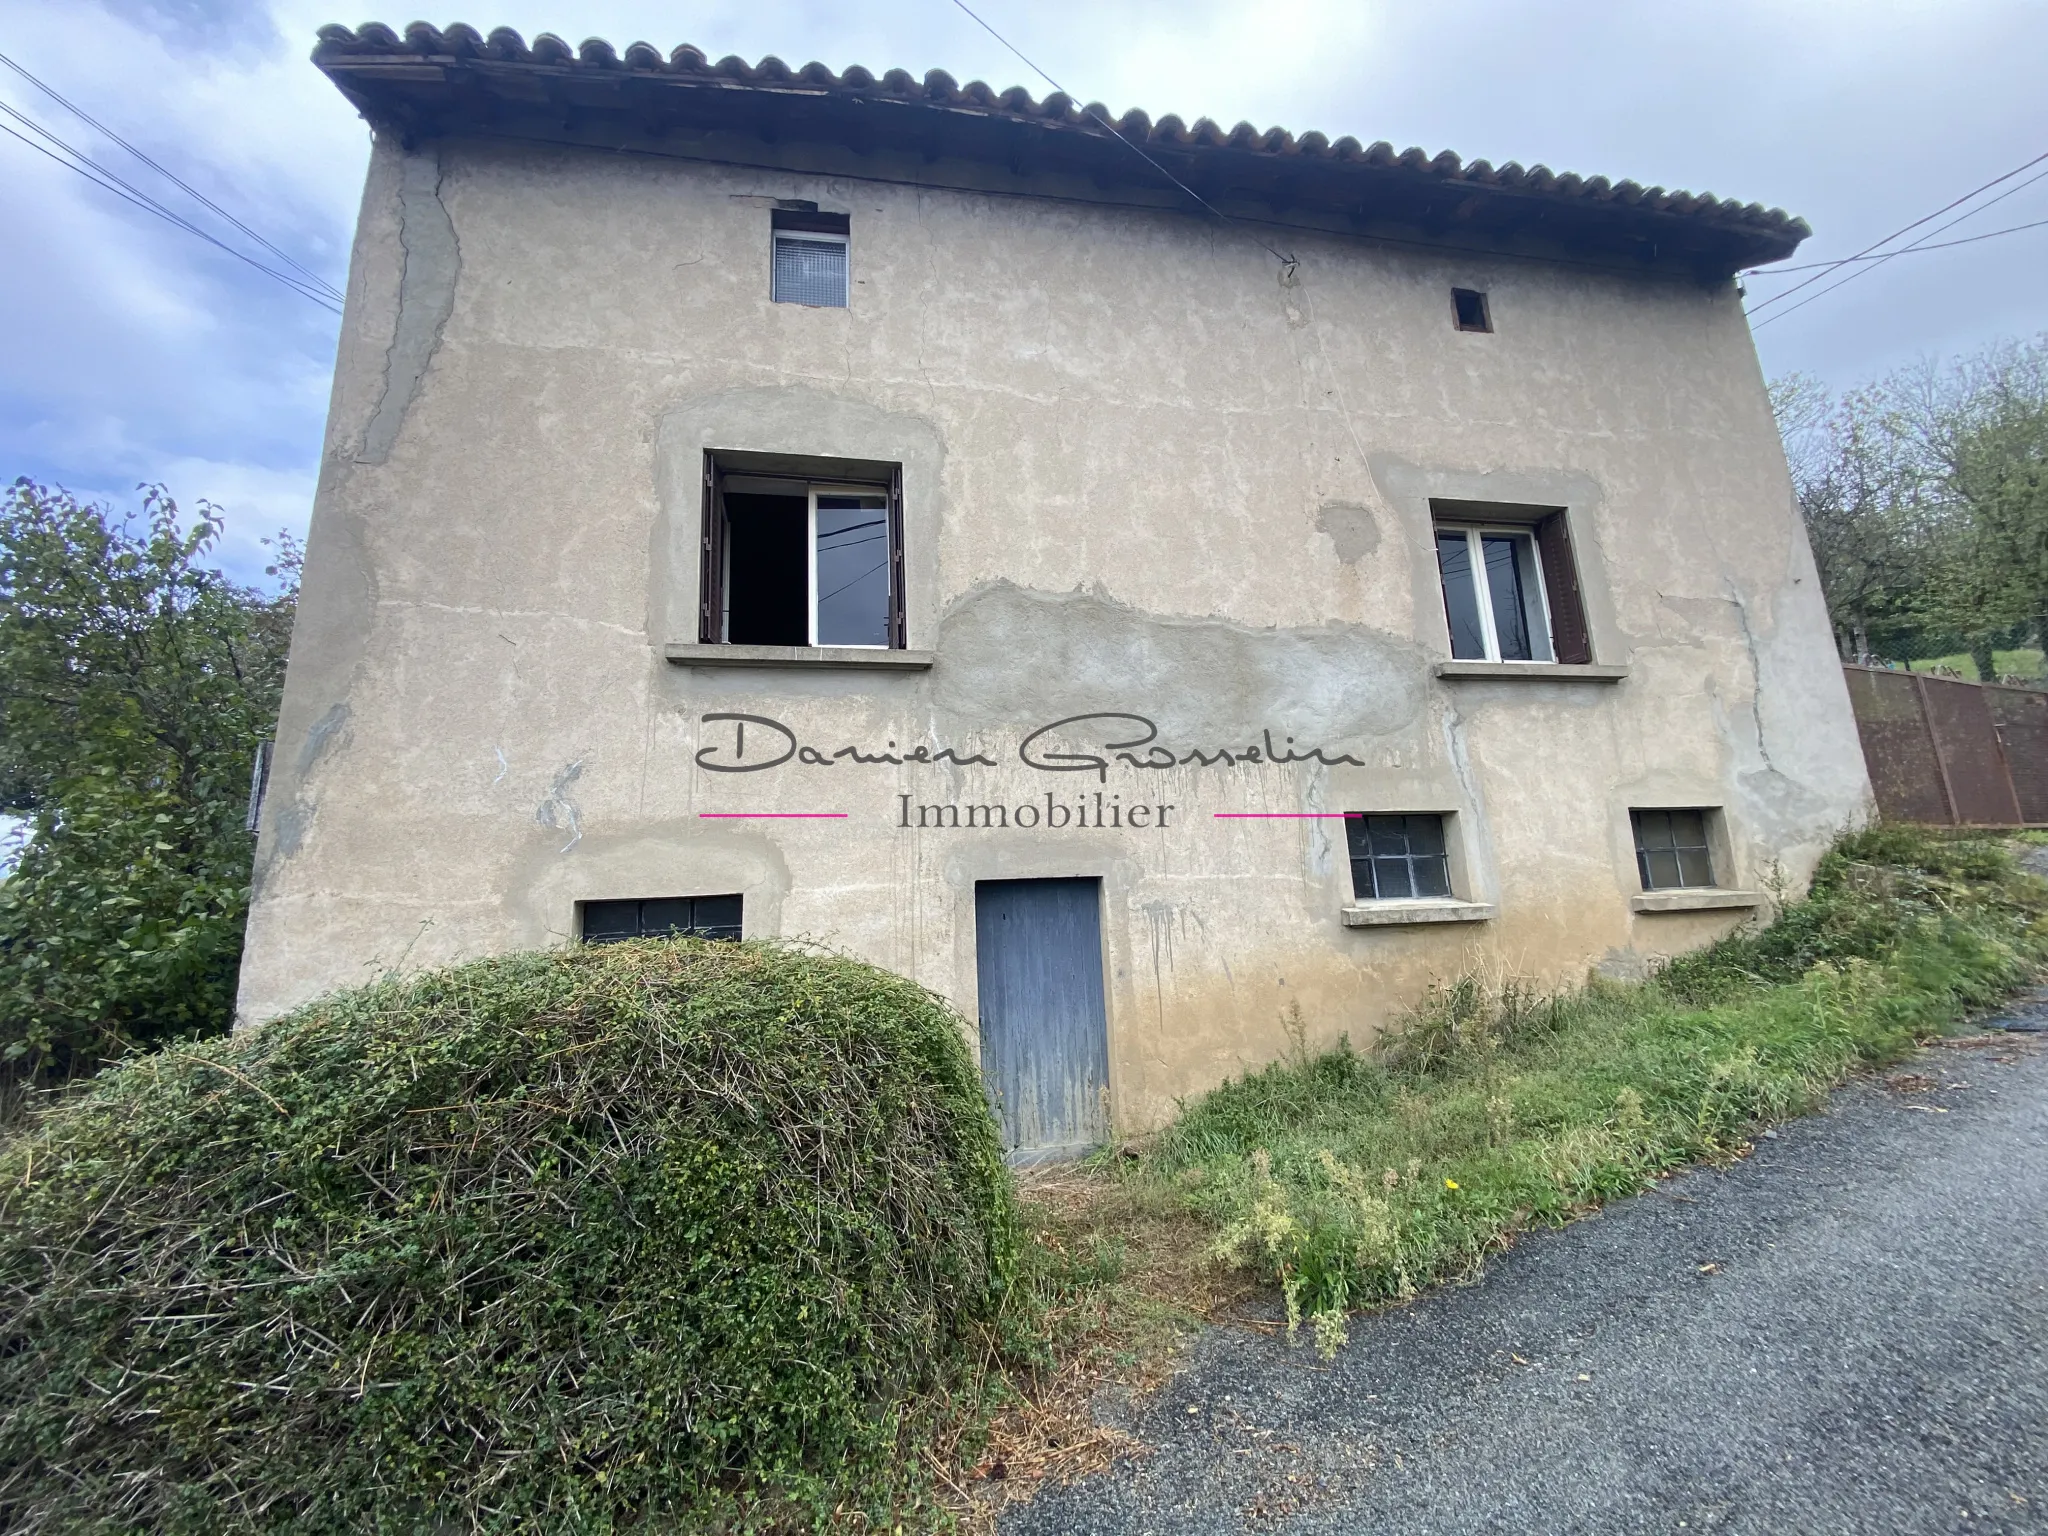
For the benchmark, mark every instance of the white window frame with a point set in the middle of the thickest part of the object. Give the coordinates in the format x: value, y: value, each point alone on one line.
x: 818, y: 489
x: 777, y: 236
x: 1482, y: 588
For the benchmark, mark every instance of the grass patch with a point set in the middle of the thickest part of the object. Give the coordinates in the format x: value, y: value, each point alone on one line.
x: 1351, y: 1179
x: 2025, y: 662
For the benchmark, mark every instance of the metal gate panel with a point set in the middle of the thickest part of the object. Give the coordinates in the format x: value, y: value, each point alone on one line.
x: 1905, y: 773
x: 1044, y: 1029
x: 1971, y: 758
x: 2021, y: 715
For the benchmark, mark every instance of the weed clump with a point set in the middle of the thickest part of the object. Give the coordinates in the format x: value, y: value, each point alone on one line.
x: 669, y: 1234
x: 1350, y: 1178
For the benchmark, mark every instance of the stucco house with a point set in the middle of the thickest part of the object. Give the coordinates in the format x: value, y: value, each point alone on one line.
x: 1148, y: 583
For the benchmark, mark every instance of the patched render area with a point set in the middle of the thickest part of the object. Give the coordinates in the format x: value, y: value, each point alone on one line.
x: 426, y: 297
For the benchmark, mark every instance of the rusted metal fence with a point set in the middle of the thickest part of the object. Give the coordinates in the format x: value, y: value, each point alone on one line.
x: 1953, y: 753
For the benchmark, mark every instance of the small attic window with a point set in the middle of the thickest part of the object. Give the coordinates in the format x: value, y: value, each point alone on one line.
x: 810, y: 258
x: 1469, y: 305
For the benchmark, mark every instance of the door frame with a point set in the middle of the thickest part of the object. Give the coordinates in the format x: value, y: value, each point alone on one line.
x: 1014, y: 858
x: 1033, y: 1156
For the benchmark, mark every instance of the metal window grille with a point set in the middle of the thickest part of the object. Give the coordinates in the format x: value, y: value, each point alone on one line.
x: 810, y: 269
x: 1397, y: 857
x: 698, y: 917
x: 1671, y: 849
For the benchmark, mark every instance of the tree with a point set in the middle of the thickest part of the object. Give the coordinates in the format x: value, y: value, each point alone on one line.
x: 135, y: 684
x: 1860, y: 495
x: 1926, y: 499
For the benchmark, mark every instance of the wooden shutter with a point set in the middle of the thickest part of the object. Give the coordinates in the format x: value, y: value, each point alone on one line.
x: 1568, y: 632
x: 898, y: 627
x: 711, y: 562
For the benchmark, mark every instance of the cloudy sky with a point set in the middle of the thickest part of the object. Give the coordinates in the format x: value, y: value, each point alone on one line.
x: 137, y: 353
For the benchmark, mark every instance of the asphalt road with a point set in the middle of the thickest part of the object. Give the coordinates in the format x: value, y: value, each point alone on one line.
x: 1846, y: 1332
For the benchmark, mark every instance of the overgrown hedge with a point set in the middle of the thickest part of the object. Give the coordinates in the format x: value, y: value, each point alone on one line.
x: 659, y: 1235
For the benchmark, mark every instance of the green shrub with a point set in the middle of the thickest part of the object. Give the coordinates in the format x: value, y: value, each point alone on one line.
x: 1350, y: 1179
x: 659, y: 1235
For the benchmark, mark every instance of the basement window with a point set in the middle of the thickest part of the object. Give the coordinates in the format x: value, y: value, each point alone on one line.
x: 809, y: 264
x: 665, y: 917
x: 1672, y: 851
x: 1511, y: 587
x: 1398, y: 858
x: 1469, y: 306
x: 802, y: 552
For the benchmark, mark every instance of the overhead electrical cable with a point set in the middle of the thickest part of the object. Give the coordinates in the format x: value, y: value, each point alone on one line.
x: 315, y: 279
x: 101, y: 177
x: 1912, y: 250
x: 1917, y: 245
x: 1280, y: 256
x: 1779, y: 298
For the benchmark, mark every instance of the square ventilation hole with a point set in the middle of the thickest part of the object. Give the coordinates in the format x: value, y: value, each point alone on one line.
x: 1469, y: 304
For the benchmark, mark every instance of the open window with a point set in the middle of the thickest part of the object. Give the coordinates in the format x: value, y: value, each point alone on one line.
x: 1510, y: 584
x: 801, y: 552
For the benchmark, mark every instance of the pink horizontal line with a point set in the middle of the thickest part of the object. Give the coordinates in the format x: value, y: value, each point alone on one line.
x: 772, y: 815
x: 1284, y: 815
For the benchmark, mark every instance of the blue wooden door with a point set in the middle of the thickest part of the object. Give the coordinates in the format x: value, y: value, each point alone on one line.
x: 1044, y: 1032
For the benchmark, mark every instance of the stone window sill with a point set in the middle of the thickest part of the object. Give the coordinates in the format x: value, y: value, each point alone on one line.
x: 1386, y: 913
x: 1702, y: 899
x: 845, y: 658
x: 1527, y: 672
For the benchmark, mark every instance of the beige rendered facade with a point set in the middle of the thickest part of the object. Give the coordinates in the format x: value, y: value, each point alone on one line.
x: 1165, y: 521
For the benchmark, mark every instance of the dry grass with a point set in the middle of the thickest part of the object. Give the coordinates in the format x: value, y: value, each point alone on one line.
x: 1137, y: 1281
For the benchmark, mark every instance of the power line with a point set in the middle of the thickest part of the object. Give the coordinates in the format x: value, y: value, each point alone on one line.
x: 1917, y: 245
x: 1279, y: 256
x: 1912, y: 250
x: 101, y: 177
x: 319, y: 282
x: 1779, y: 298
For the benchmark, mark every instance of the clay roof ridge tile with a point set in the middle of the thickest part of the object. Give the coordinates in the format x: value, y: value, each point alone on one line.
x: 508, y: 45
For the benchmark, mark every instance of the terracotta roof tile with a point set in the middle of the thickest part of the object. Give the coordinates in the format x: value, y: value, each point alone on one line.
x: 1748, y: 231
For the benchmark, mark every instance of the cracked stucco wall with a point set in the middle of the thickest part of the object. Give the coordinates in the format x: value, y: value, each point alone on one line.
x: 1144, y: 477
x: 428, y: 273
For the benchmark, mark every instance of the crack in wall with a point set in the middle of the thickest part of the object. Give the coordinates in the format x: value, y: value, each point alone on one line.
x: 1756, y: 672
x: 430, y: 263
